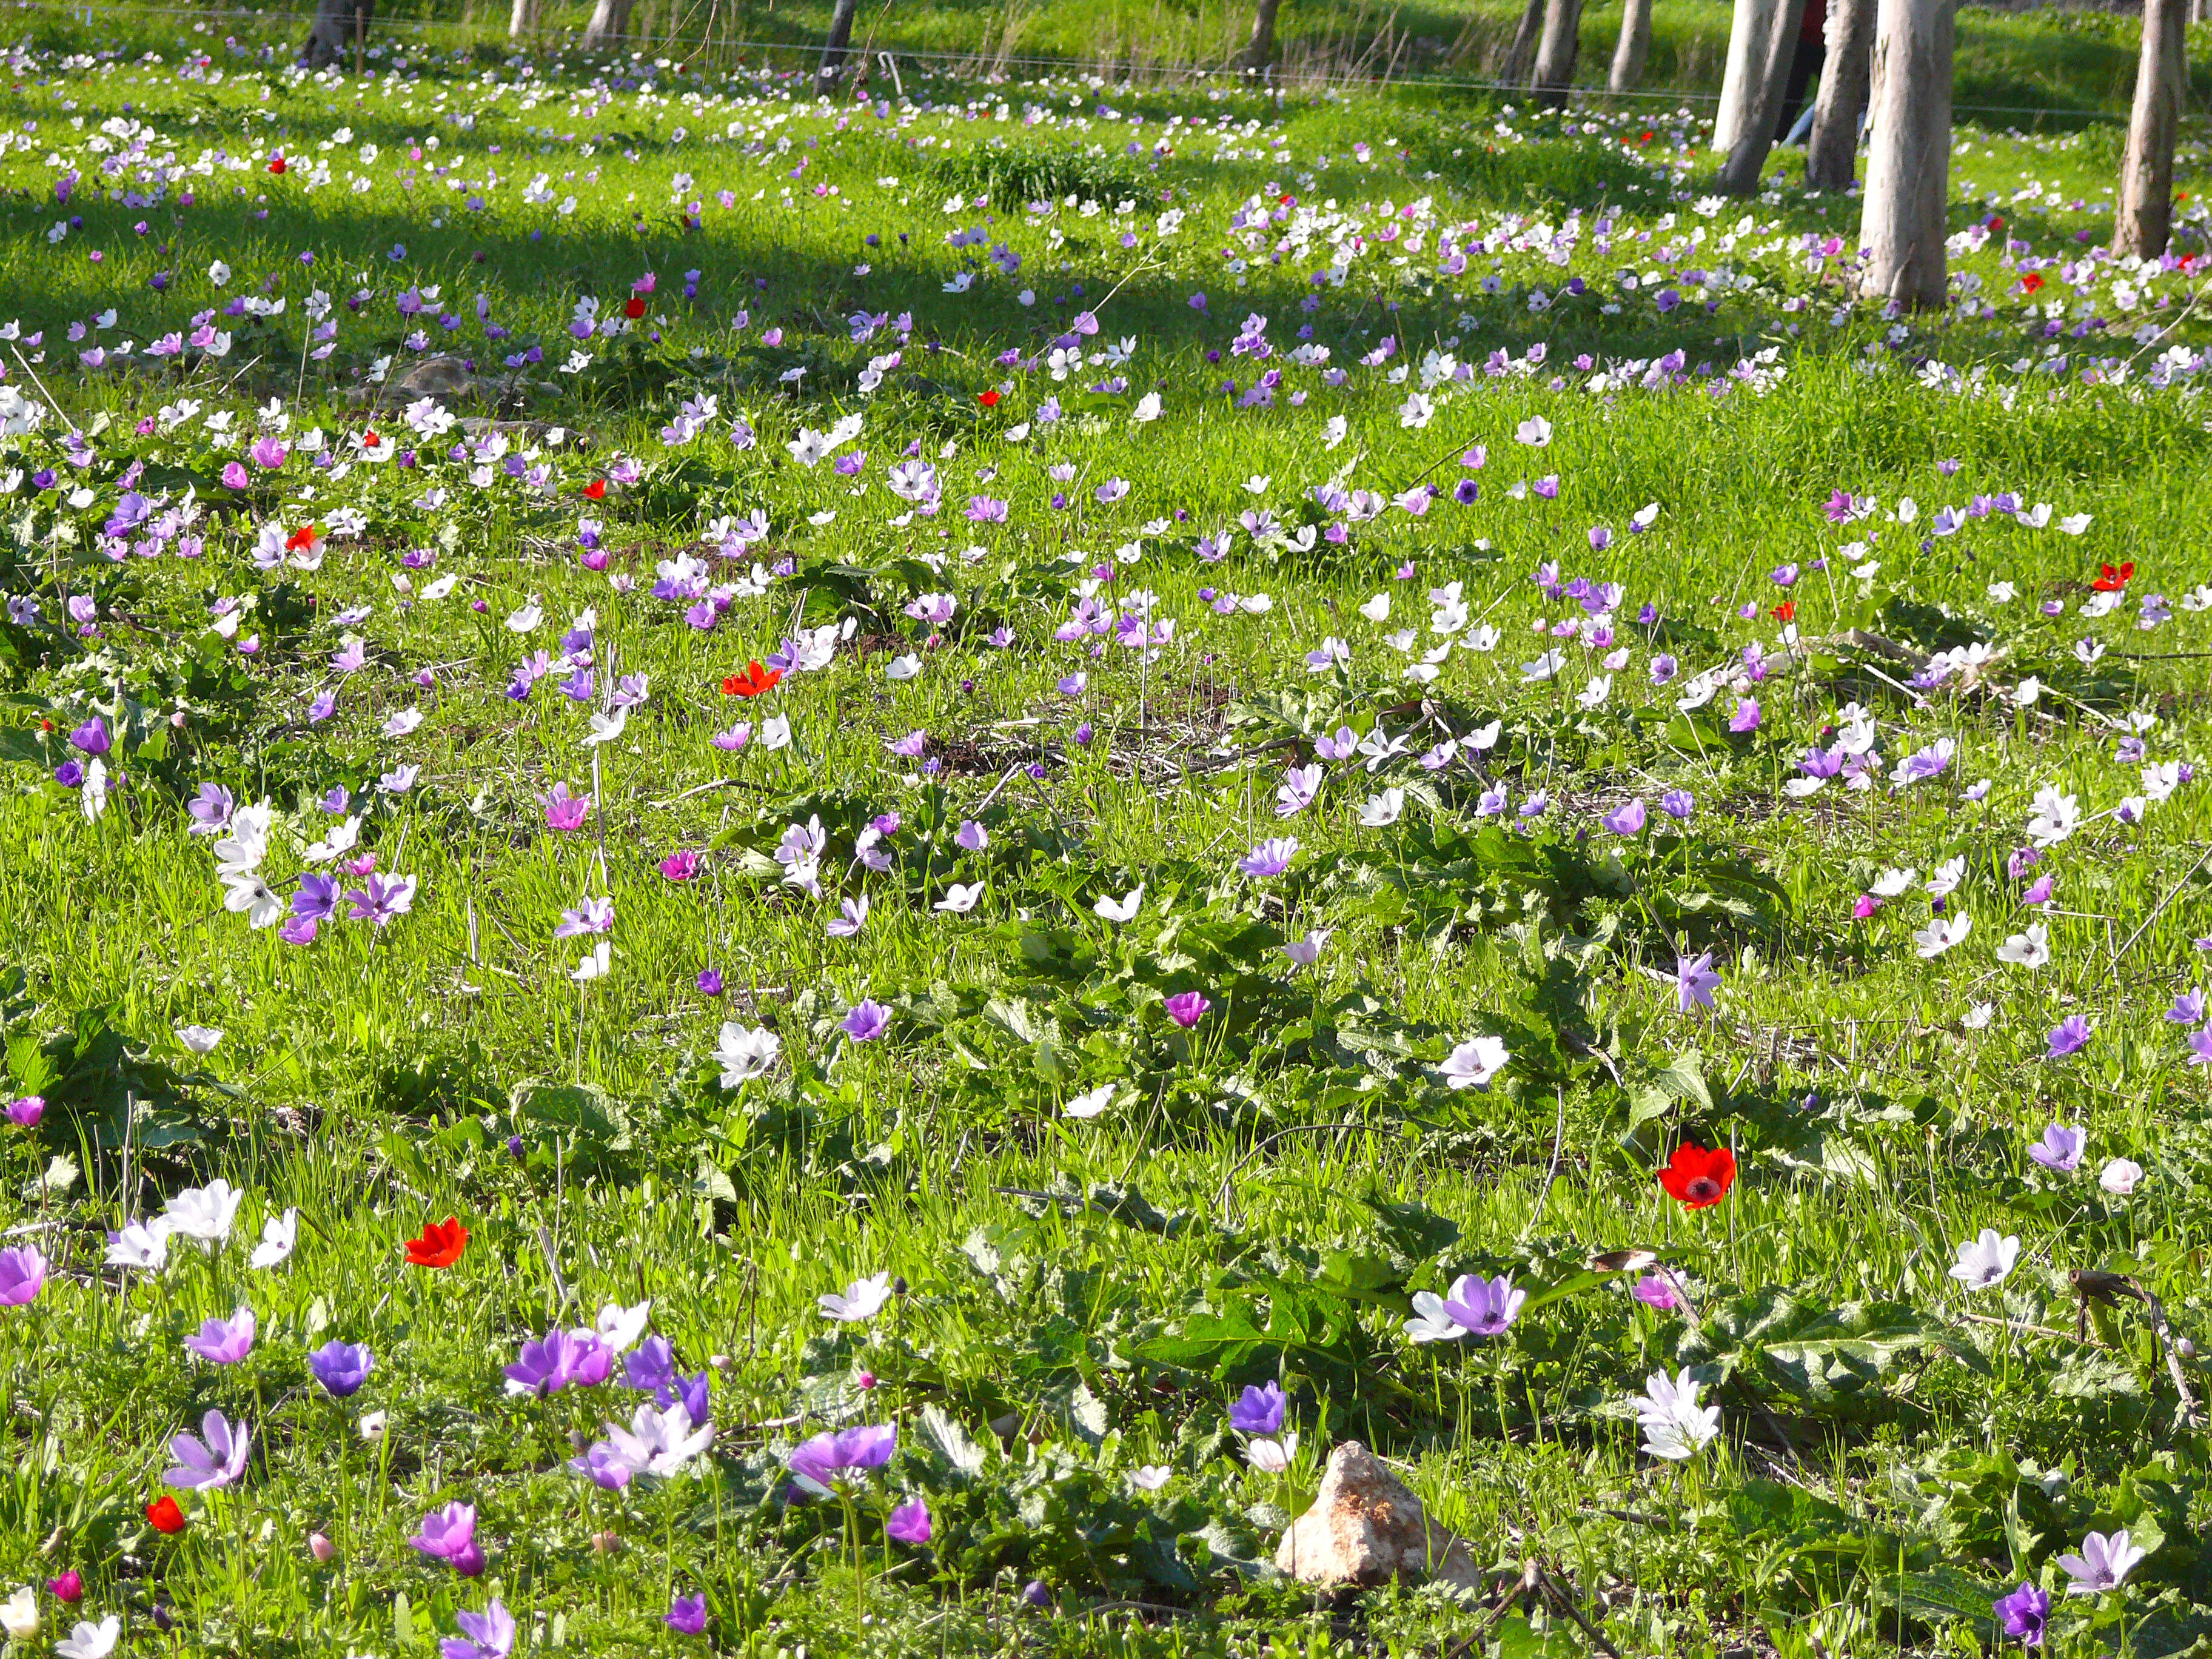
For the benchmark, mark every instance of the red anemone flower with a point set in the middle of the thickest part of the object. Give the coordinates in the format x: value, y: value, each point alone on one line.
x: 441, y: 1245
x: 302, y: 538
x: 596, y: 490
x: 1696, y: 1178
x: 277, y: 164
x: 1786, y: 611
x: 634, y: 307
x: 166, y: 1515
x: 2030, y: 282
x: 2113, y: 580
x: 989, y: 400
x: 751, y: 683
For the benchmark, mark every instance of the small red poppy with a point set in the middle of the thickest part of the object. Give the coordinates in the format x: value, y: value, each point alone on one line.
x: 751, y: 683
x: 1284, y: 200
x: 634, y: 307
x: 441, y: 1245
x: 2030, y: 282
x: 989, y: 400
x: 277, y: 164
x: 596, y: 490
x: 1786, y: 611
x: 2111, y: 580
x: 166, y: 1515
x: 1646, y: 138
x: 370, y: 440
x: 1696, y: 1178
x: 304, y: 537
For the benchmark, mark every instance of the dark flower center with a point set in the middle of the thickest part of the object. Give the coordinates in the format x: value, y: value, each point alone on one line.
x: 1703, y: 1189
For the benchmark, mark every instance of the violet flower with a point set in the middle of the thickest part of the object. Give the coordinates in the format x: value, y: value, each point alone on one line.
x: 224, y: 1341
x: 23, y: 1275
x: 819, y: 1460
x: 2061, y: 1147
x: 2024, y: 1614
x: 342, y: 1367
x: 559, y: 1360
x: 212, y: 1463
x: 1258, y: 1411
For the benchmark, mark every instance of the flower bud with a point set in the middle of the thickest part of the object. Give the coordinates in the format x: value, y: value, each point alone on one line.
x: 321, y: 1548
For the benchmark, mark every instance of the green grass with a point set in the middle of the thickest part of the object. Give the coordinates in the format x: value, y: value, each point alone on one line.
x: 1264, y: 1191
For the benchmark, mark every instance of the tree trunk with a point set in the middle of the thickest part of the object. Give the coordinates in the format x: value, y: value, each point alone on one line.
x: 1832, y: 153
x: 1555, y: 54
x: 1522, y: 51
x: 340, y: 29
x: 1909, y: 161
x: 522, y: 19
x: 832, y: 55
x: 1260, y: 51
x: 2146, y: 194
x: 609, y: 26
x: 1748, y: 33
x: 1762, y: 110
x: 1635, y: 44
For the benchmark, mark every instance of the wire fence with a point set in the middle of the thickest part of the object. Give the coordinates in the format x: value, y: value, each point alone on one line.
x: 981, y: 65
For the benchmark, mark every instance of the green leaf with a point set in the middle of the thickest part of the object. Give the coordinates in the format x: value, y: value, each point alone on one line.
x: 1940, y: 1595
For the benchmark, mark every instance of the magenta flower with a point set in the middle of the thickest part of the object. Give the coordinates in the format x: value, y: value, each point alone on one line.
x: 384, y: 899
x: 680, y: 866
x: 450, y: 1535
x: 23, y: 1275
x: 25, y: 1111
x: 234, y: 477
x: 686, y: 1615
x: 224, y: 1341
x: 564, y: 812
x: 2061, y: 1147
x: 908, y: 1522
x: 486, y: 1635
x: 1656, y: 1291
x: 1746, y: 717
x: 1186, y: 1008
x: 267, y: 454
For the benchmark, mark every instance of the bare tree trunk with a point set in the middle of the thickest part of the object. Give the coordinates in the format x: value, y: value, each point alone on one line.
x: 1762, y: 110
x: 833, y: 54
x: 1832, y: 153
x: 1748, y: 33
x: 1522, y: 51
x: 522, y: 19
x: 340, y: 30
x: 1260, y: 51
x: 1909, y: 161
x: 609, y: 26
x: 2146, y: 194
x: 1555, y: 54
x: 1635, y: 44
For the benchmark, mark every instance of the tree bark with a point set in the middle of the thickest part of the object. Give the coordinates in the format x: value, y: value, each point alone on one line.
x: 1260, y: 50
x: 833, y: 54
x: 2145, y: 218
x: 1635, y: 45
x: 1522, y: 51
x: 1832, y: 153
x: 1555, y: 53
x: 1909, y: 161
x: 1748, y: 31
x: 522, y: 19
x: 339, y: 26
x: 609, y: 25
x: 1762, y: 110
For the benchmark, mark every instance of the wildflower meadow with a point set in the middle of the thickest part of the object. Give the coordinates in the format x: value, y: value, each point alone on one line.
x: 905, y: 871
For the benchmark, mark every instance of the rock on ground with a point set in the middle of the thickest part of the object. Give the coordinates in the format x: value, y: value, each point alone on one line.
x: 1365, y: 1528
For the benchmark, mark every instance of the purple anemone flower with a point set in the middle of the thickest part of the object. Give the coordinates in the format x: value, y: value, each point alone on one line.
x: 342, y: 1367
x: 224, y: 1341
x: 559, y: 1360
x: 1258, y: 1411
x: 2061, y: 1147
x: 2024, y: 1614
x: 818, y: 1462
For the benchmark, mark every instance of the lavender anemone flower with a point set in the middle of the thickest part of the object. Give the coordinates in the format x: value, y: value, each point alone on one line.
x: 2061, y: 1147
x: 210, y: 809
x: 818, y: 1462
x: 1270, y: 857
x: 868, y: 1021
x: 686, y: 1615
x: 486, y: 1634
x: 1695, y: 982
x: 1484, y: 1307
x: 564, y: 812
x: 2071, y: 1035
x: 1627, y: 819
x: 559, y: 1360
x: 2103, y: 1564
x: 1258, y: 1411
x: 224, y: 1341
x: 342, y: 1367
x: 213, y: 1461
